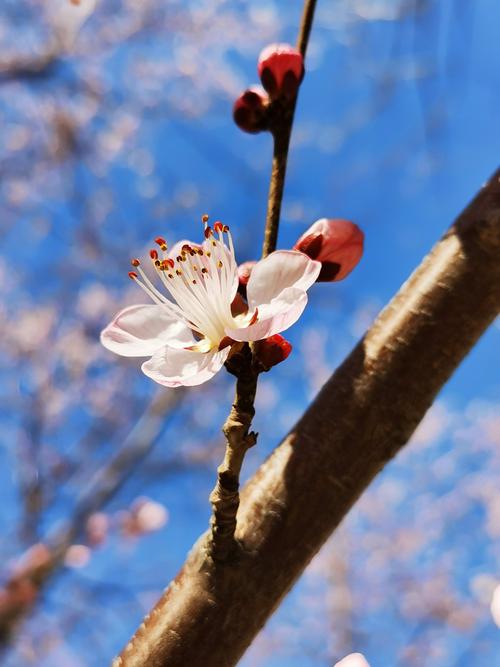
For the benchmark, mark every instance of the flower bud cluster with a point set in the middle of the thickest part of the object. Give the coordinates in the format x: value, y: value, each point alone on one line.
x: 281, y: 70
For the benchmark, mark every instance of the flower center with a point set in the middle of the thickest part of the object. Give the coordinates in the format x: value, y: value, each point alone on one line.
x: 201, y: 280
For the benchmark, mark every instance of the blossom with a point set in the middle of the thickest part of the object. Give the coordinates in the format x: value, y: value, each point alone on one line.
x: 336, y: 243
x: 189, y: 336
x: 281, y: 69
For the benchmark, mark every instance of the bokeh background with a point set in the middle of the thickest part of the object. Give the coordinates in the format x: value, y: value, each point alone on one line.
x: 122, y: 132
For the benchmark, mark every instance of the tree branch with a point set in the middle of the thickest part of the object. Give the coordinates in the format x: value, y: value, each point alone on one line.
x: 361, y: 418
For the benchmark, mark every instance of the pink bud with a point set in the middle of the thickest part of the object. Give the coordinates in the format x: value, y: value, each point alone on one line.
x: 244, y: 272
x: 250, y: 110
x: 336, y: 243
x: 281, y: 69
x: 272, y: 351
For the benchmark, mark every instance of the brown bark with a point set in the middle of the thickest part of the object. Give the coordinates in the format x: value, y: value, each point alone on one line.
x: 363, y: 415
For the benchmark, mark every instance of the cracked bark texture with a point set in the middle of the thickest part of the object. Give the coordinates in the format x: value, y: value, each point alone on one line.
x: 360, y: 419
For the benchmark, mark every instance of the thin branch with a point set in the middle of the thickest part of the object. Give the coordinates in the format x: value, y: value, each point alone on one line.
x: 305, y: 26
x: 362, y: 417
x: 225, y: 498
x: 281, y: 128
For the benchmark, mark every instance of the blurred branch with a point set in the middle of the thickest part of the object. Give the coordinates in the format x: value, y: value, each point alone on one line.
x: 361, y: 418
x: 23, y: 588
x: 30, y: 66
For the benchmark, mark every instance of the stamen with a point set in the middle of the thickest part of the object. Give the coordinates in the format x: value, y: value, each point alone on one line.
x: 161, y: 242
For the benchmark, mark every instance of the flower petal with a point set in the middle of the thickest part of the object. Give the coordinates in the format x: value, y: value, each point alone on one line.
x: 280, y: 270
x: 274, y: 317
x: 139, y: 331
x: 173, y: 367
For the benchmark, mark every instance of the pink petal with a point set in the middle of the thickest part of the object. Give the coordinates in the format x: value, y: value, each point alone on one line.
x: 274, y: 317
x: 279, y: 271
x: 173, y: 367
x: 139, y: 331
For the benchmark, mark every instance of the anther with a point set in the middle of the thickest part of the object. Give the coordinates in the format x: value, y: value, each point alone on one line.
x: 153, y: 254
x: 208, y: 232
x: 186, y: 248
x: 170, y: 275
x: 204, y: 270
x: 161, y: 242
x: 219, y: 264
x: 225, y: 228
x: 157, y: 263
x: 178, y: 272
x: 132, y: 275
x: 218, y: 226
x: 194, y: 282
x: 204, y: 218
x: 135, y: 262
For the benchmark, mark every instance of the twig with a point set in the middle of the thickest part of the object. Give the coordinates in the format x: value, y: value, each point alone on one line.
x: 281, y: 128
x: 225, y: 497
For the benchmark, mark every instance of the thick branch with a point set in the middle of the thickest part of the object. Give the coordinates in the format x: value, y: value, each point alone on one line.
x: 361, y: 418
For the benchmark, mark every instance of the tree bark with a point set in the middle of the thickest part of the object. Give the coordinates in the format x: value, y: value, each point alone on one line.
x: 360, y: 419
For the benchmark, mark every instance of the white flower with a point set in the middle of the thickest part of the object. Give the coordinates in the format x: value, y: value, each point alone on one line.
x: 189, y: 336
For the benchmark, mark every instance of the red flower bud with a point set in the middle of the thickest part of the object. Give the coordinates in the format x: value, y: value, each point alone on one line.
x: 281, y: 69
x: 272, y: 351
x: 244, y: 272
x: 250, y: 110
x: 336, y: 243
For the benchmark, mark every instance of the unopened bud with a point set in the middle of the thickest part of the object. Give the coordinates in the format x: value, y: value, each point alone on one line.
x: 281, y: 69
x: 272, y: 351
x: 336, y: 243
x: 250, y: 110
x: 244, y: 273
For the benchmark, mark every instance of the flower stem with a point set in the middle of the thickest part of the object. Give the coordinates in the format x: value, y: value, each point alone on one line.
x: 225, y: 497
